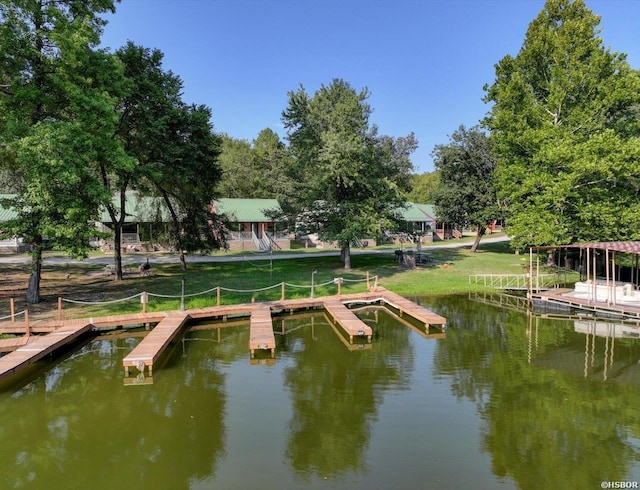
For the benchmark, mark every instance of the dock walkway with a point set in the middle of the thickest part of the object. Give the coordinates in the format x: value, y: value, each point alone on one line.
x: 420, y: 313
x: 261, y: 336
x: 152, y: 346
x: 31, y: 348
x: 347, y: 319
x: 40, y: 346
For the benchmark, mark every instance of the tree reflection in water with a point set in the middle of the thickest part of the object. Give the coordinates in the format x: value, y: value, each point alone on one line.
x: 546, y: 424
x: 335, y: 397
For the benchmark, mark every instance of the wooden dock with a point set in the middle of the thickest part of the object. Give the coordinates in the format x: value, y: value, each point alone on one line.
x: 153, y: 345
x: 40, y: 346
x: 420, y: 313
x: 349, y: 345
x: 261, y: 335
x: 9, y: 345
x: 30, y: 348
x: 565, y: 297
x: 347, y: 319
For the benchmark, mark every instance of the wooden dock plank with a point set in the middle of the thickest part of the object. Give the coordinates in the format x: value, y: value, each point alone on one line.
x: 261, y: 336
x: 347, y: 319
x: 39, y: 347
x: 8, y: 345
x: 154, y: 344
x: 418, y: 312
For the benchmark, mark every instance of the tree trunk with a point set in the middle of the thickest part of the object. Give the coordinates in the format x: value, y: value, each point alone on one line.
x: 33, y: 291
x: 177, y: 230
x: 117, y: 250
x: 345, y: 256
x: 476, y: 243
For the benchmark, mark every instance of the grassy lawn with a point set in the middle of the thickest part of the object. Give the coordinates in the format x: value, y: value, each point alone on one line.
x: 240, y: 281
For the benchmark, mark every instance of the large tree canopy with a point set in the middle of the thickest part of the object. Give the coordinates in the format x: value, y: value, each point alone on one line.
x: 423, y: 187
x: 349, y: 180
x: 566, y: 126
x: 255, y: 170
x: 466, y: 196
x: 174, y: 149
x: 57, y: 119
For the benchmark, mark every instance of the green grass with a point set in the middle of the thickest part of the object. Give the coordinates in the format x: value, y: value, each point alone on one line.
x: 247, y: 280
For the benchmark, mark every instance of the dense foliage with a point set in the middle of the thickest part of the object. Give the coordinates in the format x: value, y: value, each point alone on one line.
x: 350, y: 180
x: 466, y: 196
x: 57, y: 119
x: 566, y: 127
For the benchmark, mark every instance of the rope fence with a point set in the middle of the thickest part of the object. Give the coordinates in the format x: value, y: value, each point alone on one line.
x: 145, y: 295
x: 12, y: 316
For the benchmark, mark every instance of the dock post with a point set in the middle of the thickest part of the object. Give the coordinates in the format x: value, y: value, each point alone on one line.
x: 26, y: 322
x: 59, y: 308
x: 12, y: 307
x: 339, y: 281
x: 368, y: 285
x: 143, y: 300
x: 375, y: 281
x: 282, y: 292
x: 218, y: 296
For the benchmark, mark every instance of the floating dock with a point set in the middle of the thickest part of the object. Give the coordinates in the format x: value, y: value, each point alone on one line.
x: 154, y: 344
x: 567, y: 298
x: 261, y: 336
x: 420, y: 313
x: 40, y: 346
x: 30, y: 348
x: 347, y: 319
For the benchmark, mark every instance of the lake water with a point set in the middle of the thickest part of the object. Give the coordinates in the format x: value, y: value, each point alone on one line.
x: 504, y: 400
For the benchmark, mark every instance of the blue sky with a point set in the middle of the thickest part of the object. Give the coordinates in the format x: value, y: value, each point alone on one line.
x: 424, y: 61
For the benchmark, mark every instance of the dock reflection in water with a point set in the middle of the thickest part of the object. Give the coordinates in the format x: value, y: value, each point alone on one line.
x: 502, y: 392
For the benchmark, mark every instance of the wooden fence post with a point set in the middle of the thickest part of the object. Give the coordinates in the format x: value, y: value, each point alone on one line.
x: 12, y: 306
x: 368, y: 285
x: 143, y: 300
x: 282, y: 292
x: 218, y: 296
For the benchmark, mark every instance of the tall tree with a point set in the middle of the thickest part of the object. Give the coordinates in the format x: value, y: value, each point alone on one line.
x: 237, y: 173
x: 187, y: 173
x: 257, y: 169
x: 565, y: 122
x: 349, y: 180
x: 270, y: 161
x: 56, y: 116
x: 466, y: 196
x: 175, y: 152
x: 423, y: 187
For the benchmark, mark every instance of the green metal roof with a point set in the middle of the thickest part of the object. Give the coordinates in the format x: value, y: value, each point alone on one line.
x: 246, y: 210
x: 418, y: 212
x: 6, y: 213
x: 139, y: 209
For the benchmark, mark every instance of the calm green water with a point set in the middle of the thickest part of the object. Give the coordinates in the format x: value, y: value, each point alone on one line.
x: 503, y: 401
